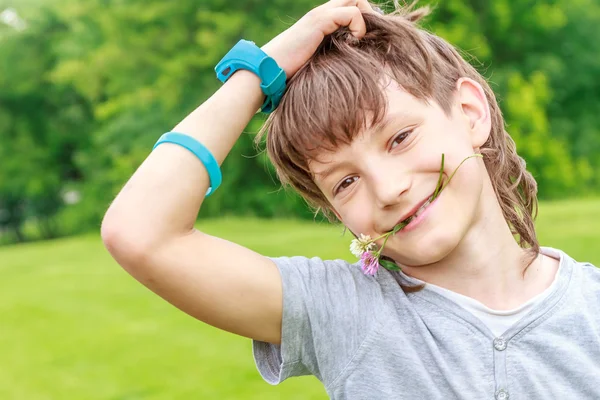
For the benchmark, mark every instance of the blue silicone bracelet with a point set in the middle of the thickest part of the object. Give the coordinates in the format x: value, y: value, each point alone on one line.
x: 203, y: 154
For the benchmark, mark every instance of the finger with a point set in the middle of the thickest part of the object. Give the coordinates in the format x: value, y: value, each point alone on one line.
x: 333, y: 19
x: 365, y: 6
x: 340, y: 3
x: 331, y: 4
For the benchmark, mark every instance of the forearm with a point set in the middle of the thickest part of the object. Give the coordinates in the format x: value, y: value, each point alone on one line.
x: 163, y: 197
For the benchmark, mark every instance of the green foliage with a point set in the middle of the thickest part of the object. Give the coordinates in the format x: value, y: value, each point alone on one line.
x: 88, y: 87
x: 42, y: 126
x: 542, y: 63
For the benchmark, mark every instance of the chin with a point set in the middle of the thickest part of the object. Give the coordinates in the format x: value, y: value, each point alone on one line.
x: 423, y: 250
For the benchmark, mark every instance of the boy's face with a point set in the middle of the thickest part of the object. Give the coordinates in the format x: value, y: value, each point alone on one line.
x: 388, y: 172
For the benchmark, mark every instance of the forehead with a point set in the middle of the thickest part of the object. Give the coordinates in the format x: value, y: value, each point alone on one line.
x: 400, y: 107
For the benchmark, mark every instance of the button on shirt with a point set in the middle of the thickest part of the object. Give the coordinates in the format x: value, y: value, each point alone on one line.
x: 364, y: 338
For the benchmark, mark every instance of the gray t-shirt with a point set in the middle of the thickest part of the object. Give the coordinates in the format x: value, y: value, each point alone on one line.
x: 364, y: 338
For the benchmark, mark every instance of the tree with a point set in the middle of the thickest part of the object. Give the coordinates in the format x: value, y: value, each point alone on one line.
x: 41, y: 125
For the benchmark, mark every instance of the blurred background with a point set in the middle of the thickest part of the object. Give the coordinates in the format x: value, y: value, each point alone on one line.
x: 87, y: 87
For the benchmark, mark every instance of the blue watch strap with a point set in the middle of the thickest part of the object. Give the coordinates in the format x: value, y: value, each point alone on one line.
x: 247, y: 55
x: 205, y: 156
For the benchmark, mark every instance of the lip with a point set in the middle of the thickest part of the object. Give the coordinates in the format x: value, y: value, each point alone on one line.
x: 415, y: 222
x: 413, y: 210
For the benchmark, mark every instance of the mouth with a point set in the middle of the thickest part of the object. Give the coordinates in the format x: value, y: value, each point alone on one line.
x: 416, y: 211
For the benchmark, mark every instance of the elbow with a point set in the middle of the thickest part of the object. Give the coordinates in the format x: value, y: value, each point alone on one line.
x: 128, y: 248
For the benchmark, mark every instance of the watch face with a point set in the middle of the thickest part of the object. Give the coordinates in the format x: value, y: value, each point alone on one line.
x: 272, y: 76
x: 268, y: 69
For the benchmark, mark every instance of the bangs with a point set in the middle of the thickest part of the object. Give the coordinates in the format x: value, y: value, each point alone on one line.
x: 329, y: 101
x: 340, y: 91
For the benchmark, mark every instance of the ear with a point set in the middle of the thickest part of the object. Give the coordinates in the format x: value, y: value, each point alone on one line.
x: 475, y: 109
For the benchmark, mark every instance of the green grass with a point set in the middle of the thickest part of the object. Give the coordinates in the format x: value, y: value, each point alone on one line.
x: 76, y: 326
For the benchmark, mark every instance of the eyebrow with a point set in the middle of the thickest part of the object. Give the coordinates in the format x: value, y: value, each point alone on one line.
x: 329, y: 171
x: 389, y: 118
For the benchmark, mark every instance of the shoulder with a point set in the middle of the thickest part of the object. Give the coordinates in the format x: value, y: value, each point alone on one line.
x: 585, y: 274
x: 567, y: 260
x: 332, y: 272
x: 591, y: 275
x: 333, y: 276
x: 312, y: 263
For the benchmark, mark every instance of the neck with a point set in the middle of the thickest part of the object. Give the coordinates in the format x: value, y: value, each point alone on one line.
x: 488, y: 265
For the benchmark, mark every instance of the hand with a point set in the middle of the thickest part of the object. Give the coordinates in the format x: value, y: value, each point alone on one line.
x: 293, y: 47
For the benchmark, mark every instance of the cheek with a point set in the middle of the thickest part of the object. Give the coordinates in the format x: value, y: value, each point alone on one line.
x: 450, y: 135
x: 357, y: 217
x: 448, y: 139
x: 455, y: 144
x: 463, y: 198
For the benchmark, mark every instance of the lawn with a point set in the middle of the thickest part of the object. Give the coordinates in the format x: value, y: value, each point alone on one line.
x: 75, y: 326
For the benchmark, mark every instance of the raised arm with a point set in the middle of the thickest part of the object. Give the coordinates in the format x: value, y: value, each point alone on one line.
x: 149, y: 227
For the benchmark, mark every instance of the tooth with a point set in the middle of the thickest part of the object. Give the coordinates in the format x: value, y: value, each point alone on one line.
x: 423, y: 207
x: 419, y: 211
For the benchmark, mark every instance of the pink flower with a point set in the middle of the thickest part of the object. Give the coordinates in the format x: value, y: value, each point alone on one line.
x: 369, y: 263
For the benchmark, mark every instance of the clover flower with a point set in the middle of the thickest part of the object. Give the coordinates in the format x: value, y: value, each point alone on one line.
x: 361, y: 244
x: 369, y: 263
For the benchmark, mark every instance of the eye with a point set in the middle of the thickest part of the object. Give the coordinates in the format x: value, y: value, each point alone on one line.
x: 345, y: 184
x: 399, y: 138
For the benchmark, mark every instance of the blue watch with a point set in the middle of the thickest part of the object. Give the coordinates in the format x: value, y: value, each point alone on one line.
x: 246, y: 55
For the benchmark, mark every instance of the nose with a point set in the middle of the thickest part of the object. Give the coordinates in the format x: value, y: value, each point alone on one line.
x: 389, y: 186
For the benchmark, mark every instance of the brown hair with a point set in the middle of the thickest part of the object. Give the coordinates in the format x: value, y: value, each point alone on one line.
x: 339, y: 90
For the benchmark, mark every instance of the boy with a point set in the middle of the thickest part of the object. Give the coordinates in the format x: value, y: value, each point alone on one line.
x: 369, y: 110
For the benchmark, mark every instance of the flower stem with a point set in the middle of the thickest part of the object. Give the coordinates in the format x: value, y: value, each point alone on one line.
x: 461, y: 163
x: 387, y: 236
x: 438, y: 187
